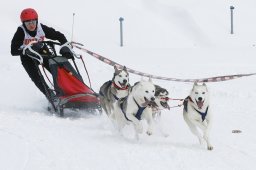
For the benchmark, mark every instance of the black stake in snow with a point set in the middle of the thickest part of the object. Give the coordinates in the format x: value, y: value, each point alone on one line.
x: 121, y: 31
x: 231, y: 12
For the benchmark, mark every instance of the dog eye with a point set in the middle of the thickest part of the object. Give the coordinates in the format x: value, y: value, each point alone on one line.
x: 120, y: 76
x: 146, y: 91
x: 196, y: 92
x: 203, y: 92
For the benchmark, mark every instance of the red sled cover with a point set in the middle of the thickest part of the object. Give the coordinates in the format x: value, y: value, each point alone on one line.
x: 71, y: 85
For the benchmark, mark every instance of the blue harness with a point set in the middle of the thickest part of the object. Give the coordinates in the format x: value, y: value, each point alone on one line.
x: 203, y: 114
x: 139, y: 112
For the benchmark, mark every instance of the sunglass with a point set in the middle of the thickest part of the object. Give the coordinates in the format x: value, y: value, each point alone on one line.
x: 27, y: 23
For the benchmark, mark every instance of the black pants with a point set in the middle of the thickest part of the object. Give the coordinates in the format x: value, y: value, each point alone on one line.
x: 32, y: 69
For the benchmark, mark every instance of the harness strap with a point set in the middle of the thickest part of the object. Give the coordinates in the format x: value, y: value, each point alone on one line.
x: 185, y: 103
x: 115, y: 97
x: 203, y: 114
x: 140, y: 110
x: 122, y: 108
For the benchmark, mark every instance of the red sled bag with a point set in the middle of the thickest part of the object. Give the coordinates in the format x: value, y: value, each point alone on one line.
x: 69, y: 84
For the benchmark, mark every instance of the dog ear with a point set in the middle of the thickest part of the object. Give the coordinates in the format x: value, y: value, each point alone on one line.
x: 205, y: 86
x: 115, y: 67
x: 125, y: 69
x: 150, y: 80
x: 195, y: 84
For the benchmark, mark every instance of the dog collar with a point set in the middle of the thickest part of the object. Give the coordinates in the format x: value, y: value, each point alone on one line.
x: 120, y: 88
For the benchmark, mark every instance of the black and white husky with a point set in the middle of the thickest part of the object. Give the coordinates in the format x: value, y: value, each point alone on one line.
x: 197, y: 113
x: 114, y: 90
x: 136, y: 107
x: 161, y: 101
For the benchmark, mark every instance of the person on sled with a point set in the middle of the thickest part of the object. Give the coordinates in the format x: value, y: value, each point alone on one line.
x: 32, y: 30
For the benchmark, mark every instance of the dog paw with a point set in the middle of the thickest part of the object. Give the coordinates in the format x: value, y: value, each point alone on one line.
x: 210, y: 148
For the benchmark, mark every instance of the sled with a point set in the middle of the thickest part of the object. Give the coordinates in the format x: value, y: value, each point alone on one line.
x: 70, y: 93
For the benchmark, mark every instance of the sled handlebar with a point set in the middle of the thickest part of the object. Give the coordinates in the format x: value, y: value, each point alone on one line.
x: 51, y: 42
x: 29, y: 51
x: 32, y: 53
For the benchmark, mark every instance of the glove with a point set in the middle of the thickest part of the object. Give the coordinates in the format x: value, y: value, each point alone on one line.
x: 37, y: 46
x: 66, y: 52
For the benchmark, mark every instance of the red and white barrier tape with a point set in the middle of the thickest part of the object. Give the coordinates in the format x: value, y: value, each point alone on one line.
x: 210, y: 79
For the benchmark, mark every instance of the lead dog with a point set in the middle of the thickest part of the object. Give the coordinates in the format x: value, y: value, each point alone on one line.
x: 135, y: 107
x: 197, y: 113
x: 114, y: 90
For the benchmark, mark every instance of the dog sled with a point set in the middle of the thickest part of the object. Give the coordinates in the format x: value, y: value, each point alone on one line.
x: 70, y: 92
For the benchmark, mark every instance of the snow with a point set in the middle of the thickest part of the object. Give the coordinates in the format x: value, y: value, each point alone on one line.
x: 174, y: 38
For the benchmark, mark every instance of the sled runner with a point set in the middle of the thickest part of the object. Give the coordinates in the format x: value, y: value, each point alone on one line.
x: 70, y: 91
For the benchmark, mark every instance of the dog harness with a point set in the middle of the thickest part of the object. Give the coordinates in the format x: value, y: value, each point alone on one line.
x: 122, y: 108
x: 139, y: 112
x: 109, y: 84
x: 185, y: 103
x: 203, y: 114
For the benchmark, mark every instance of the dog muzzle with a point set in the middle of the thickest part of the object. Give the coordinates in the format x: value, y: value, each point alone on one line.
x: 124, y: 84
x: 147, y: 101
x: 165, y: 104
x: 200, y: 104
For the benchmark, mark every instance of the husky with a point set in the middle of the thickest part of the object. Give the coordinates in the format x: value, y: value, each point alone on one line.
x: 160, y: 102
x: 136, y: 107
x: 197, y: 113
x: 114, y: 90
